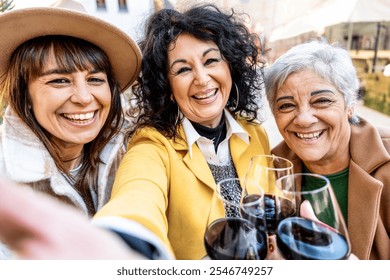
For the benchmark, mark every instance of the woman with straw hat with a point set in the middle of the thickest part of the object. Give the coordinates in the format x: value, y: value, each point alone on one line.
x: 61, y: 77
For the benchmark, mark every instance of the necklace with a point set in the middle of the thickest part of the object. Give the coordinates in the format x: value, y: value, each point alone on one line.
x: 71, y: 159
x: 73, y: 163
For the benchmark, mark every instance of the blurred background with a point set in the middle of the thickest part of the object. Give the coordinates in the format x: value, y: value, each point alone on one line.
x: 361, y: 26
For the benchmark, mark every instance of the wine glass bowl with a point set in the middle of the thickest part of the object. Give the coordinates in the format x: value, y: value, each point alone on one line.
x: 238, y: 231
x: 265, y: 170
x: 277, y: 208
x: 234, y: 239
x: 318, y: 231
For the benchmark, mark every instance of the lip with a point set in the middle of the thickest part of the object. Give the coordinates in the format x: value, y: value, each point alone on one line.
x: 309, y: 136
x: 84, y: 118
x: 205, y: 94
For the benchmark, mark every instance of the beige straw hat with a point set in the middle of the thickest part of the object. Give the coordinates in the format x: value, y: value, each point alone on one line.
x: 18, y: 26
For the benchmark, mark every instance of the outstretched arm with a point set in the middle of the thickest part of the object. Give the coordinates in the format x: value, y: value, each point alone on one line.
x: 37, y: 227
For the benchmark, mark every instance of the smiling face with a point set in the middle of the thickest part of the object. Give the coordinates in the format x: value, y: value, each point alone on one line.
x: 200, y: 79
x: 72, y: 107
x: 312, y: 117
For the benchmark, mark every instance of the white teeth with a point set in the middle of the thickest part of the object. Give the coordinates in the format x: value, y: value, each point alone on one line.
x: 80, y: 117
x: 313, y: 135
x: 207, y: 95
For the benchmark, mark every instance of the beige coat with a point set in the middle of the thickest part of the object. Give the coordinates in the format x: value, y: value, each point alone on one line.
x: 368, y: 189
x: 25, y: 160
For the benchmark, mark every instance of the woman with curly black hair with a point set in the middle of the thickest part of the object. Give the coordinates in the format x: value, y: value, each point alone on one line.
x: 199, y: 91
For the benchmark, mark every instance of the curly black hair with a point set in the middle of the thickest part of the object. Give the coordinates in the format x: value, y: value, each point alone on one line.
x: 208, y: 23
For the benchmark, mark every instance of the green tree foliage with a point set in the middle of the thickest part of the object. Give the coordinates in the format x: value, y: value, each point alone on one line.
x: 377, y: 94
x: 6, y: 5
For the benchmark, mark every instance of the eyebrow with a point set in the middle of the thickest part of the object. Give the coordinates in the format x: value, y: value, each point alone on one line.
x: 203, y: 55
x: 63, y: 71
x: 321, y: 91
x: 54, y: 71
x: 311, y: 94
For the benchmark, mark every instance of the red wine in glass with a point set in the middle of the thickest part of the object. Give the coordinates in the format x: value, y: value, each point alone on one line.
x: 235, y: 239
x: 277, y: 209
x: 303, y: 239
x: 252, y: 210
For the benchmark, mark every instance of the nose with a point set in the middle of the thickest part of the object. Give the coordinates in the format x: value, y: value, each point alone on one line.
x: 201, y: 77
x: 305, y: 118
x: 82, y: 94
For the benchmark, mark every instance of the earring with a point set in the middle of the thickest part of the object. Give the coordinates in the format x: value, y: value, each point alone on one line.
x: 178, y: 116
x: 28, y: 110
x: 237, y: 97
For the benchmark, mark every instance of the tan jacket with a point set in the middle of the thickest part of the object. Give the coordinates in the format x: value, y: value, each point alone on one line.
x: 368, y: 189
x: 25, y: 160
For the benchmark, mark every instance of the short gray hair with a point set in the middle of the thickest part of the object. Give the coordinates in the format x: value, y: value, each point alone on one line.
x: 329, y: 61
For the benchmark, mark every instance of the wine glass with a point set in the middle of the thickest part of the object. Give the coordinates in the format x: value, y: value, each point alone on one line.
x: 266, y: 169
x: 236, y: 223
x: 318, y: 231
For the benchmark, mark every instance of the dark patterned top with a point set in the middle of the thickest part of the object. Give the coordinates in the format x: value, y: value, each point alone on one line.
x: 230, y: 192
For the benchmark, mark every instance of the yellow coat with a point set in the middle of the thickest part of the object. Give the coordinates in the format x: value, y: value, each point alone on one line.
x: 161, y: 187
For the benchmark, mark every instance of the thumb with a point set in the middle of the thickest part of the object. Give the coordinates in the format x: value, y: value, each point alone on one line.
x: 307, y: 211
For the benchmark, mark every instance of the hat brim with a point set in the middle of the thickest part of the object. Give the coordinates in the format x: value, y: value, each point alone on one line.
x: 19, y: 26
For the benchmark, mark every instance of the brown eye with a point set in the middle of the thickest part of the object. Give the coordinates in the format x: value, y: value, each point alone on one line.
x: 182, y: 70
x: 323, y: 102
x: 286, y: 107
x: 96, y: 80
x: 58, y: 81
x: 211, y: 61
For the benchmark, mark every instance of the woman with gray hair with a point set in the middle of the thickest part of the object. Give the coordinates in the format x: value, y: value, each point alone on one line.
x: 312, y: 91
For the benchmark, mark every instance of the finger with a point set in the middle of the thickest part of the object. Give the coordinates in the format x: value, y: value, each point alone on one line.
x: 306, y: 211
x: 273, y: 250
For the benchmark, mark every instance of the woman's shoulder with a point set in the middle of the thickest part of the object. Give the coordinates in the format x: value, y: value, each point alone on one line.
x: 146, y: 132
x: 384, y: 133
x: 150, y: 135
x: 257, y: 133
x: 369, y: 129
x: 366, y: 132
x: 251, y: 124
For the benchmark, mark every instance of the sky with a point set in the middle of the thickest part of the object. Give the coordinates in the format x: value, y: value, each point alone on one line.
x: 32, y: 3
x: 35, y: 3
